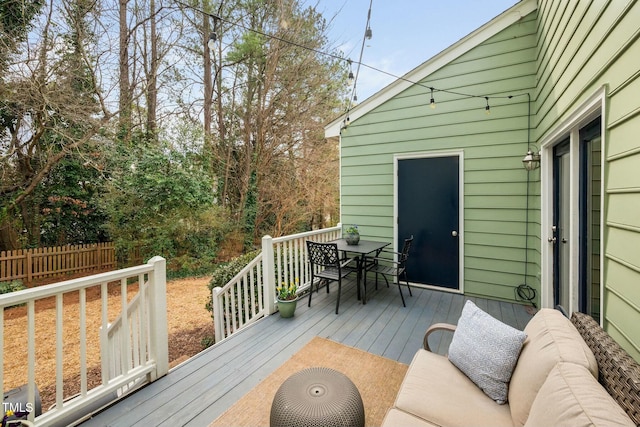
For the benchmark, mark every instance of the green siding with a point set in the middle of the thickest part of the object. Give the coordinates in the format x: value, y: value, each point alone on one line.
x: 493, y: 146
x: 581, y: 47
x: 561, y: 54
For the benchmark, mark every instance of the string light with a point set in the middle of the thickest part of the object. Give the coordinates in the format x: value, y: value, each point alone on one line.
x: 352, y: 78
x: 212, y: 40
x: 346, y: 122
x: 367, y: 35
x: 213, y: 36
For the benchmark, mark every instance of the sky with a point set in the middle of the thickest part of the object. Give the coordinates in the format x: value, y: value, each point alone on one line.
x: 406, y: 33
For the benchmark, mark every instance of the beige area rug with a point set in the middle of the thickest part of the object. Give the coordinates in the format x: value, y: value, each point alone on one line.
x: 378, y: 379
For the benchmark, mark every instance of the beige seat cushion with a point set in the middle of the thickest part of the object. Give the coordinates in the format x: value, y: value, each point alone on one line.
x: 438, y: 392
x: 571, y: 396
x: 551, y: 339
x: 398, y: 418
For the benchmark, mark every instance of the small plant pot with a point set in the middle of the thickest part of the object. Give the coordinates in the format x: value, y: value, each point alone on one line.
x: 352, y: 238
x: 287, y: 308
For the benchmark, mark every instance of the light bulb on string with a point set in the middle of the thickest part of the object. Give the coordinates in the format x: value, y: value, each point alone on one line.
x: 351, y: 77
x: 487, y: 109
x: 432, y: 102
x: 211, y: 43
x: 368, y: 33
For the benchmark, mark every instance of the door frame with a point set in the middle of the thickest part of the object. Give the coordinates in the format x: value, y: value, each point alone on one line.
x: 593, y: 107
x: 432, y: 154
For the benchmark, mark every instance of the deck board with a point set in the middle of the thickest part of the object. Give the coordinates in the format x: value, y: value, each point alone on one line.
x: 202, y: 388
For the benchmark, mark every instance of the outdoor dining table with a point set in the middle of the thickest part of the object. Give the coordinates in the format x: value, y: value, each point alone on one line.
x: 362, y: 249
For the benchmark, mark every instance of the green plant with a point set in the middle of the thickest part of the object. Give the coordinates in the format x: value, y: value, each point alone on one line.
x: 12, y: 286
x: 207, y: 341
x: 225, y: 272
x: 287, y: 292
x: 353, y: 229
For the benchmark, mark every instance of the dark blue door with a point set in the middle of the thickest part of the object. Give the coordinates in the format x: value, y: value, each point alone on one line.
x: 428, y: 209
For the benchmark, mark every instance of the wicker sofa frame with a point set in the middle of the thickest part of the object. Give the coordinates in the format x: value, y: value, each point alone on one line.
x: 619, y: 373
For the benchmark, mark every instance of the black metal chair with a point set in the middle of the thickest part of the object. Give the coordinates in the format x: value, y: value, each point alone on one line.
x: 389, y: 267
x: 325, y: 264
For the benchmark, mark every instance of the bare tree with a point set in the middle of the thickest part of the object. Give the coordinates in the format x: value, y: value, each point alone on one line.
x: 52, y: 108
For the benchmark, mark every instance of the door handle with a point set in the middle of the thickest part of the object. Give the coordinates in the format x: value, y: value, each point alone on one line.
x: 454, y: 233
x: 564, y: 240
x: 552, y: 240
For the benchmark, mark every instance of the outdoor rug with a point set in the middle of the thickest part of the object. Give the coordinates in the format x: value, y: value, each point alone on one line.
x: 377, y: 378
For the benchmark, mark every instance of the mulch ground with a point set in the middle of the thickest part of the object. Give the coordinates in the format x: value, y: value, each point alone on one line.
x: 188, y: 323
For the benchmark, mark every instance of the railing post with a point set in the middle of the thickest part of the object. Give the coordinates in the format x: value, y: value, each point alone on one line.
x: 159, y: 339
x: 269, y: 275
x: 218, y: 315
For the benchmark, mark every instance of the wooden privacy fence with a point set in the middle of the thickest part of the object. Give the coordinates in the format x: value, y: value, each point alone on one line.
x: 30, y: 265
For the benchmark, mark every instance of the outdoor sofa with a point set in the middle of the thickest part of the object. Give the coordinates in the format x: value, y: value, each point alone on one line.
x: 555, y: 380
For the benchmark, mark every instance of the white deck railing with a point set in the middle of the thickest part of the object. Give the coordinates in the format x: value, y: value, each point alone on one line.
x: 250, y: 295
x: 133, y: 348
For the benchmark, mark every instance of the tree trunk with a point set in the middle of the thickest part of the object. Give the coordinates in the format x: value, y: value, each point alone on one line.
x: 125, y: 87
x: 152, y: 79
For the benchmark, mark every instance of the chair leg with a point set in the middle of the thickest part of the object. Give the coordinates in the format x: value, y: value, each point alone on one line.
x: 339, y: 292
x: 407, y: 281
x: 400, y: 289
x: 311, y: 290
x: 385, y: 279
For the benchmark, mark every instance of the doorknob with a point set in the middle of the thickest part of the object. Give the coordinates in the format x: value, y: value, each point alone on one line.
x: 551, y: 239
x: 454, y: 233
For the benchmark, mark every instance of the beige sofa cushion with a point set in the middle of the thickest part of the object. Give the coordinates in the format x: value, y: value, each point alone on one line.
x: 571, y: 396
x: 398, y: 418
x: 438, y: 392
x: 551, y: 338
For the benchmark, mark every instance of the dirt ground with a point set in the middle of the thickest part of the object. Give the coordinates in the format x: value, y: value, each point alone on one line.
x: 188, y: 323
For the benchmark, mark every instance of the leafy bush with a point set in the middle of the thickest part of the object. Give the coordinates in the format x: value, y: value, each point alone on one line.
x: 207, y: 341
x: 160, y: 203
x: 13, y: 286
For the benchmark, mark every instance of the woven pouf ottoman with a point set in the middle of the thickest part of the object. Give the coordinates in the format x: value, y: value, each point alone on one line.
x: 317, y: 397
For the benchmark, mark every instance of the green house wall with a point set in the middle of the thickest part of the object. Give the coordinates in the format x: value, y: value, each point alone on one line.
x: 493, y: 146
x: 561, y: 54
x: 582, y: 47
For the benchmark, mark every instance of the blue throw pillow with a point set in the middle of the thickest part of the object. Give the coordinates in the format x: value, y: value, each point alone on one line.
x: 486, y: 350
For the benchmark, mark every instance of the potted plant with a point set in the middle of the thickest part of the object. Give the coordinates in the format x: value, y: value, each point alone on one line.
x: 352, y: 235
x: 287, y: 298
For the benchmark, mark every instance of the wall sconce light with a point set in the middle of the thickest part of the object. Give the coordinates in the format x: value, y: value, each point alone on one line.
x: 531, y: 161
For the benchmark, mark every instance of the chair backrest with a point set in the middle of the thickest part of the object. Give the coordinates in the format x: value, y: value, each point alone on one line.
x: 405, y: 250
x: 323, y: 254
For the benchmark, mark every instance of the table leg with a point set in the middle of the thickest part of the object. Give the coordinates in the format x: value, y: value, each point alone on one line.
x: 361, y: 279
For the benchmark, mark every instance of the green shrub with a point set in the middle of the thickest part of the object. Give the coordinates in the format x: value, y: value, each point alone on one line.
x: 12, y: 286
x: 225, y: 272
x: 207, y: 341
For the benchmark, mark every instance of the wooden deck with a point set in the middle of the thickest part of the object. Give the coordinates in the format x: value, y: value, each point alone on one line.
x: 199, y: 390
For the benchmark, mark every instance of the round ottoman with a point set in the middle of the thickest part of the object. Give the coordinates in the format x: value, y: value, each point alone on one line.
x: 317, y: 397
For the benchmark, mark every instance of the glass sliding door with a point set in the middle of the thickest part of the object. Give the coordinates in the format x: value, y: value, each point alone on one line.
x: 590, y: 206
x: 562, y: 225
x: 576, y: 224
